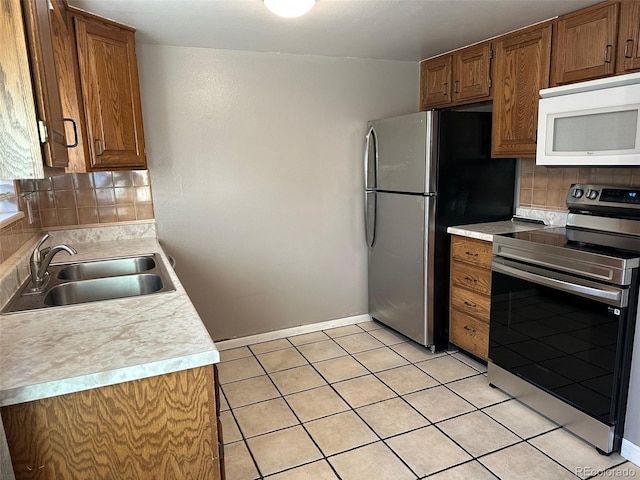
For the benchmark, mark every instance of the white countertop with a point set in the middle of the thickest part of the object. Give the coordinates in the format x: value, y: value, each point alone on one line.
x: 486, y: 231
x: 54, y: 351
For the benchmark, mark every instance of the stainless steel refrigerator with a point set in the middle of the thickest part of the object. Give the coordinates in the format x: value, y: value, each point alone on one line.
x: 424, y: 172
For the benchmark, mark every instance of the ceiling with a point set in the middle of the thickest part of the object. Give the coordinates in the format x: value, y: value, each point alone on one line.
x: 406, y: 30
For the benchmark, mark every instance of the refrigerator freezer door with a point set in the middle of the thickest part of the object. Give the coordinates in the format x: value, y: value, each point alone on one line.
x: 400, y: 149
x: 370, y: 159
x: 398, y: 270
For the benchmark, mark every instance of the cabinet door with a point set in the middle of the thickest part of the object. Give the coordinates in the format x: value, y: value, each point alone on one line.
x: 471, y: 73
x: 585, y: 44
x: 110, y: 93
x: 629, y: 39
x: 43, y: 70
x: 21, y: 155
x: 64, y: 47
x: 162, y: 427
x: 435, y: 87
x: 522, y: 67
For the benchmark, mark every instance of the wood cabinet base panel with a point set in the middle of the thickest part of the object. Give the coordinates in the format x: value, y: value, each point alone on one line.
x: 161, y: 427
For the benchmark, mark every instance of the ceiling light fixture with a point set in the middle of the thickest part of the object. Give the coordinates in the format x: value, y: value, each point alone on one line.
x: 289, y: 8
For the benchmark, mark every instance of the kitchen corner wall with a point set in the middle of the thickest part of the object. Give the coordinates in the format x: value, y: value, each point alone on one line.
x: 77, y: 199
x: 256, y: 164
x: 547, y: 187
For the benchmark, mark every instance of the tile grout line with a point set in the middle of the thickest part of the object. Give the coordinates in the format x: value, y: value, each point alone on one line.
x: 349, y: 354
x: 397, y: 395
x: 351, y: 408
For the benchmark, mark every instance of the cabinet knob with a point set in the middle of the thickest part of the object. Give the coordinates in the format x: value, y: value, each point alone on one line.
x: 444, y: 88
x: 471, y: 254
x: 469, y: 279
x: 469, y: 304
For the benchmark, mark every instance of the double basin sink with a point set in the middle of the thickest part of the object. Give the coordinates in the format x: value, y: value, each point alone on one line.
x: 95, y: 280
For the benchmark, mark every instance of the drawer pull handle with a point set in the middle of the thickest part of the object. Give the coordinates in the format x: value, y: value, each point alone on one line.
x: 469, y: 279
x: 469, y: 329
x: 471, y: 254
x: 468, y: 304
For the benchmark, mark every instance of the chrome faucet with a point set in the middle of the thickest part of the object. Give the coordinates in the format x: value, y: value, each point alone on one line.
x: 40, y: 260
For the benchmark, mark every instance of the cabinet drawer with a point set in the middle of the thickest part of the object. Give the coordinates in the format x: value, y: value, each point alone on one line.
x: 469, y: 333
x: 472, y: 303
x: 471, y: 250
x: 471, y: 276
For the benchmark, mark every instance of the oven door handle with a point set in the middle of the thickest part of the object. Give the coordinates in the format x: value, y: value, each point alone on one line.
x: 617, y: 297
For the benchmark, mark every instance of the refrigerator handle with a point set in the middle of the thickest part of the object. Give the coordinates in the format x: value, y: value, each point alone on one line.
x: 370, y: 231
x: 371, y: 134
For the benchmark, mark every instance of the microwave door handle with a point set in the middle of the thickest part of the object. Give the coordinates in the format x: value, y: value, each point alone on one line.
x: 604, y: 294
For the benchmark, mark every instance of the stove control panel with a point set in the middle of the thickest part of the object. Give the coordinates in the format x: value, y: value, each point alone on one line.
x: 584, y: 196
x: 592, y: 194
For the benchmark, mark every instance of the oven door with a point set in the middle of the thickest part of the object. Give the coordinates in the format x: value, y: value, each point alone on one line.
x: 559, y: 333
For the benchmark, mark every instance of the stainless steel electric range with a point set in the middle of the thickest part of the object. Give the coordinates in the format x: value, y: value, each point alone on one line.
x: 563, y: 313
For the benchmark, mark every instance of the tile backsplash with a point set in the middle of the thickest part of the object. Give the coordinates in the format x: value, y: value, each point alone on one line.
x: 77, y: 199
x: 86, y: 198
x: 13, y: 236
x: 546, y: 187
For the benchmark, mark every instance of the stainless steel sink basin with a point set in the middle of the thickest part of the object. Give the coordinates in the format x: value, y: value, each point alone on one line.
x: 107, y: 268
x: 94, y: 281
x: 103, y: 289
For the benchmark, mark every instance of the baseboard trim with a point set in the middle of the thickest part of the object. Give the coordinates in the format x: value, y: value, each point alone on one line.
x: 290, y: 332
x: 630, y: 451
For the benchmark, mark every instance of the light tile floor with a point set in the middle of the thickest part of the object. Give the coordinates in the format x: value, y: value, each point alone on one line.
x: 362, y: 402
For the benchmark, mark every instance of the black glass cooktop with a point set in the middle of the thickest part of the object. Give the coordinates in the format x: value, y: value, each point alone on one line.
x: 603, y: 243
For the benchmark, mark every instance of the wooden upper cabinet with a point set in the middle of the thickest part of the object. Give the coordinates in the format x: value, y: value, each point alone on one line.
x: 21, y: 156
x: 522, y: 70
x: 37, y: 19
x: 66, y: 55
x: 458, y: 77
x: 435, y: 87
x: 471, y: 67
x: 110, y: 93
x: 585, y: 44
x: 629, y: 37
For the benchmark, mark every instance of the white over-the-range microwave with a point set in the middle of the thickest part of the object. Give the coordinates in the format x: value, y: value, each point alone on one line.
x: 590, y: 123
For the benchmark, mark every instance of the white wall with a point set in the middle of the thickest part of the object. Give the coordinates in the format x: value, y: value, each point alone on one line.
x: 256, y: 167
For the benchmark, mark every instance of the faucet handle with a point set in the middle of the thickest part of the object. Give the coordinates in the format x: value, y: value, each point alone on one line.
x: 38, y: 252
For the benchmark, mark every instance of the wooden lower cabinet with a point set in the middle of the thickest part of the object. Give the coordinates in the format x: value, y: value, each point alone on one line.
x: 470, y: 300
x: 163, y: 427
x: 469, y: 333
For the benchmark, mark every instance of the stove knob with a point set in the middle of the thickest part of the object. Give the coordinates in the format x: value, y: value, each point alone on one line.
x: 592, y: 194
x: 577, y: 193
